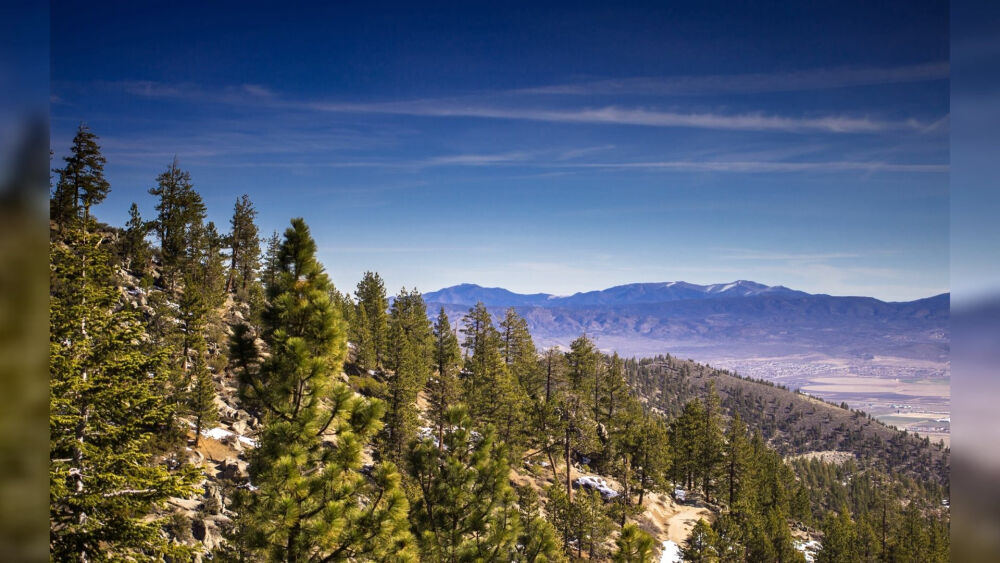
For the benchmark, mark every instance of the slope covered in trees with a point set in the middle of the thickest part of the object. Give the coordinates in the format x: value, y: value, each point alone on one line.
x: 352, y: 429
x: 791, y: 422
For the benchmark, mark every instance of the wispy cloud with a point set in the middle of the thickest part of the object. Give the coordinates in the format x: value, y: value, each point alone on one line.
x: 255, y: 95
x: 811, y: 79
x: 768, y: 166
x: 614, y: 115
x: 746, y: 254
x: 473, y: 159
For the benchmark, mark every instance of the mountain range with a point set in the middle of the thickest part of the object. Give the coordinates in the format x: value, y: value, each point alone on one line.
x: 736, y: 319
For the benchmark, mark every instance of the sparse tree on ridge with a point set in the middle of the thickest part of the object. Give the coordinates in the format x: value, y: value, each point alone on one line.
x: 81, y: 183
x: 180, y: 214
x: 244, y: 246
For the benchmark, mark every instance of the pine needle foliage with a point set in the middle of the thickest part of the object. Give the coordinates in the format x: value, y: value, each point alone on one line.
x: 312, y: 501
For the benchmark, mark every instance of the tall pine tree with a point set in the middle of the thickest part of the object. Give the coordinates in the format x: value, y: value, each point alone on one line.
x: 371, y: 328
x: 443, y: 388
x: 312, y: 500
x: 106, y: 409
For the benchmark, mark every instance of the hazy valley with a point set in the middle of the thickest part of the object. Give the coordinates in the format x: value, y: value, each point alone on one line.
x: 889, y: 358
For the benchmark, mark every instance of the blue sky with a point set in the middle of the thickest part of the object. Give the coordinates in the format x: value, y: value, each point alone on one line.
x: 540, y: 149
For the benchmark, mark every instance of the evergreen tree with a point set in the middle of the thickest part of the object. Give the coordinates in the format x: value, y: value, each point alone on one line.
x: 652, y: 452
x: 106, y: 409
x: 81, y: 183
x: 634, y: 546
x: 180, y: 214
x: 539, y: 541
x: 839, y: 539
x: 443, y: 388
x: 409, y: 362
x: 710, y: 443
x: 700, y: 544
x: 737, y: 459
x: 686, y: 434
x: 244, y: 246
x: 592, y: 524
x: 134, y: 250
x: 312, y: 500
x: 613, y: 391
x: 205, y: 273
x: 583, y: 359
x: 202, y: 397
x: 489, y: 391
x: 520, y: 354
x: 466, y: 510
x: 372, y: 328
x: 269, y: 268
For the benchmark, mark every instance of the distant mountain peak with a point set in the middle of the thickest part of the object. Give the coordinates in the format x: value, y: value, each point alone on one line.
x: 627, y: 294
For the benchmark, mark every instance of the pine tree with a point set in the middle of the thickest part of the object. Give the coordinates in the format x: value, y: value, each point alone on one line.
x: 686, y: 434
x: 205, y: 270
x: 520, y: 354
x: 312, y: 499
x: 372, y: 328
x: 737, y: 459
x: 710, y: 443
x: 443, y: 387
x: 839, y: 539
x: 269, y: 267
x: 699, y: 546
x: 134, y: 251
x: 466, y: 510
x: 81, y: 183
x: 105, y: 412
x: 539, y: 541
x: 634, y: 546
x: 244, y: 246
x: 593, y: 526
x: 180, y: 214
x: 202, y: 397
x: 653, y: 456
x: 191, y: 314
x: 409, y: 360
x: 613, y: 390
x: 489, y: 391
x: 583, y: 359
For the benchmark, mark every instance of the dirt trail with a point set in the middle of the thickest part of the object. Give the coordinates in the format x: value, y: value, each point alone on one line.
x: 667, y: 520
x: 680, y: 524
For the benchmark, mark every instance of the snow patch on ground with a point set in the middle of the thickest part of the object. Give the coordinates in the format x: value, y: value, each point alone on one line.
x: 671, y: 552
x: 220, y: 433
x: 808, y: 548
x: 595, y: 483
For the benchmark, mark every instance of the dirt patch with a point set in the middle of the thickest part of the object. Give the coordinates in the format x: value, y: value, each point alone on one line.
x: 829, y: 456
x: 214, y: 450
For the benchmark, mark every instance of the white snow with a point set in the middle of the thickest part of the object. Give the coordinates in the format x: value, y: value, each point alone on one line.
x: 671, y: 552
x: 597, y: 484
x: 808, y: 548
x: 219, y: 433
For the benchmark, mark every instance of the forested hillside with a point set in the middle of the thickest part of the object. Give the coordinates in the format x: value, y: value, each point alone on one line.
x: 791, y: 422
x: 213, y: 395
